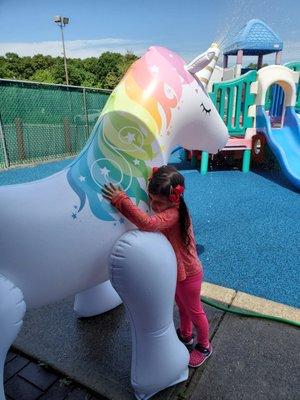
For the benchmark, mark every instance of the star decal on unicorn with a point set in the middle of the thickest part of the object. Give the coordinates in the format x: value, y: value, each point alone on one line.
x: 74, y: 216
x: 154, y: 69
x: 169, y: 91
x: 122, y: 221
x: 82, y: 178
x: 104, y: 171
x: 136, y: 162
x: 130, y: 137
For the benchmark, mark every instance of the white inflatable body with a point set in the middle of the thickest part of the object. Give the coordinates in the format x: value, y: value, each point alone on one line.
x: 57, y: 233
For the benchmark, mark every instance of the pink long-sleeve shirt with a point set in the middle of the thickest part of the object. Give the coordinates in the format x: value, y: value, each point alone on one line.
x: 167, y: 222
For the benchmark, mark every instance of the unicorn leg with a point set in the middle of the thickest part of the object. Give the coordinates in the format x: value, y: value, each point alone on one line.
x: 96, y: 300
x: 12, y: 310
x: 143, y: 272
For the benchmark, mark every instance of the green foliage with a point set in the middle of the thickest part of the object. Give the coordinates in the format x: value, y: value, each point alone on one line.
x: 43, y: 75
x: 104, y: 72
x: 4, y: 69
x: 254, y: 65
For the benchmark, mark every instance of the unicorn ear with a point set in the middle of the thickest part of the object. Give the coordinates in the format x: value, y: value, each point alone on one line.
x: 200, y: 62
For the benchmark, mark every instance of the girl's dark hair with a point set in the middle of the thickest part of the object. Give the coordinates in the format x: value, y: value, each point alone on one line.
x: 160, y: 184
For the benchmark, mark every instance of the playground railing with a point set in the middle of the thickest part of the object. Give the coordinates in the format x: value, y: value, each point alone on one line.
x: 232, y: 100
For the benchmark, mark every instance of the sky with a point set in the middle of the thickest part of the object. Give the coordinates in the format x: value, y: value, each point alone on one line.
x: 186, y: 27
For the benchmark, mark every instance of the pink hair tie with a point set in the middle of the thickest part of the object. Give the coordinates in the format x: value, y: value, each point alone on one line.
x: 154, y: 170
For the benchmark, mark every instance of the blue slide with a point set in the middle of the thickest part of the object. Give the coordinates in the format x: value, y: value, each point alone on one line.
x: 284, y: 141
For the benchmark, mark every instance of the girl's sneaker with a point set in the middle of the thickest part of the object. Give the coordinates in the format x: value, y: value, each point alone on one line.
x: 199, y: 355
x: 186, y: 341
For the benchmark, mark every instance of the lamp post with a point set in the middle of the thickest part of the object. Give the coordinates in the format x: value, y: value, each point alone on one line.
x: 62, y: 22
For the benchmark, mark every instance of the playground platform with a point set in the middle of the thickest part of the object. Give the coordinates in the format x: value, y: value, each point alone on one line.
x: 90, y: 359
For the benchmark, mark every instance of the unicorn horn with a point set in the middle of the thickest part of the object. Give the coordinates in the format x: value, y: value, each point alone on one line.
x: 204, y: 64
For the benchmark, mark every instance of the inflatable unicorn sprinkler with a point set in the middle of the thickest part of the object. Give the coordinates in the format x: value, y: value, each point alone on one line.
x: 60, y: 237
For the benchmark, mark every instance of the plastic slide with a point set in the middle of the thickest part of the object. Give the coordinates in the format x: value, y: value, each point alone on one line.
x: 284, y: 141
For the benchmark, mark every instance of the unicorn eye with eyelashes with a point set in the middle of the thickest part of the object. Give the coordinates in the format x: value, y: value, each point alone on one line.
x: 204, y: 109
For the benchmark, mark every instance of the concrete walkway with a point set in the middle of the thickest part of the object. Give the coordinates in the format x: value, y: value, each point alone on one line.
x: 252, y: 358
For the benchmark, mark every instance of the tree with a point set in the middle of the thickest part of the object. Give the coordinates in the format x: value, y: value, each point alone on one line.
x: 5, y: 72
x: 111, y: 81
x: 14, y: 64
x: 106, y: 71
x: 39, y: 62
x: 43, y: 75
x: 128, y: 59
x: 254, y: 65
x: 89, y: 80
x: 26, y: 69
x: 107, y: 63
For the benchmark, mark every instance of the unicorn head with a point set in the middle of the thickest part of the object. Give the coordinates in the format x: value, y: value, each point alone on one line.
x: 160, y: 91
x: 158, y: 104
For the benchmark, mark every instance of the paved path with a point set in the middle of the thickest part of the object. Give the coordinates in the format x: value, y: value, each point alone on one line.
x: 252, y: 359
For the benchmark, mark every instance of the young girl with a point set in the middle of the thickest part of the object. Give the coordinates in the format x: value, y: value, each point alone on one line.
x: 166, y: 187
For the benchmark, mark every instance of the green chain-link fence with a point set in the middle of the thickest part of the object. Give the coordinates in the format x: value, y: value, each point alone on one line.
x: 40, y: 122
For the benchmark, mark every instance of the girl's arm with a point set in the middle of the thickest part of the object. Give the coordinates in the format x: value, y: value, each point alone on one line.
x: 142, y: 220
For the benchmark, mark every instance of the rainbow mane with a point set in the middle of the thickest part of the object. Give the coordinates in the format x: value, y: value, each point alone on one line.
x: 125, y: 138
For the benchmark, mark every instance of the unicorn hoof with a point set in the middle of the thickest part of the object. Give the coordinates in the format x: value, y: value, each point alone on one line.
x: 12, y: 311
x: 96, y: 300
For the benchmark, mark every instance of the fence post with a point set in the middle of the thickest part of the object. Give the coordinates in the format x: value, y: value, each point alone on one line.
x: 87, y: 133
x: 20, y: 139
x: 3, y: 143
x: 67, y: 135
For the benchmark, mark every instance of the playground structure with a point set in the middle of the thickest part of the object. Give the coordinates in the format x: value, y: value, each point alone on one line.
x: 258, y: 107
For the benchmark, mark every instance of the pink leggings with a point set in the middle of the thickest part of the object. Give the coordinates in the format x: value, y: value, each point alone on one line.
x: 191, y: 313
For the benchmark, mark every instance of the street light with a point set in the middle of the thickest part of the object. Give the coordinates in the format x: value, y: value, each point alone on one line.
x: 62, y: 22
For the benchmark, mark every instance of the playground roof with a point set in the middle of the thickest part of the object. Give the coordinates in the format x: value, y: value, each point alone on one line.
x: 254, y: 38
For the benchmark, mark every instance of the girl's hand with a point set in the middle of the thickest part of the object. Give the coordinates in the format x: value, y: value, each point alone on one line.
x: 110, y: 191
